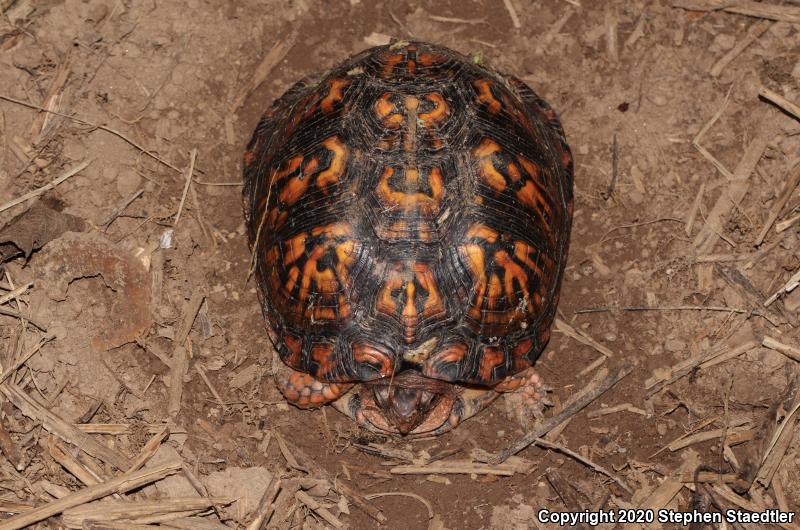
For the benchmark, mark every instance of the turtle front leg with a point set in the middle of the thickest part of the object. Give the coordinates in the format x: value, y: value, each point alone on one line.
x: 524, y: 394
x: 303, y: 390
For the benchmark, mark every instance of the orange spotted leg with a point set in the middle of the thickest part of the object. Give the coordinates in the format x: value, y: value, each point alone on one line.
x: 303, y: 390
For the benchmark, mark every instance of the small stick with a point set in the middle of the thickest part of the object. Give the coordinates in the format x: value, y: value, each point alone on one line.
x: 512, y: 12
x: 70, y: 463
x: 733, y: 195
x: 789, y: 351
x: 550, y: 34
x: 745, y: 7
x: 455, y: 20
x: 582, y: 460
x: 22, y: 360
x: 66, y: 431
x: 698, y: 200
x: 121, y: 208
x: 319, y: 509
x: 788, y: 188
x: 46, y: 187
x: 266, y: 506
x: 786, y: 224
x: 562, y: 327
x: 189, y: 172
x: 403, y: 494
x: 685, y: 367
x: 622, y: 407
x: 753, y: 33
x: 149, y: 449
x: 94, y: 126
x: 210, y: 386
x: 788, y: 287
x: 15, y: 293
x: 703, y: 151
x: 120, y: 484
x: 676, y: 308
x: 780, y: 101
x: 123, y: 428
x: 569, y: 410
x: 456, y: 467
x: 612, y: 38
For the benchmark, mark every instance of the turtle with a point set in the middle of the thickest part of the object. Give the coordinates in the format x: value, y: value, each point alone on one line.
x: 409, y: 214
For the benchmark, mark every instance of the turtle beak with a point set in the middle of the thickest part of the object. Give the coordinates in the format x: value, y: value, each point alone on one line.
x: 403, y: 407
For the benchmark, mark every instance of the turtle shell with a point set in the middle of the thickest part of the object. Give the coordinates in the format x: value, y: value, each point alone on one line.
x: 409, y: 210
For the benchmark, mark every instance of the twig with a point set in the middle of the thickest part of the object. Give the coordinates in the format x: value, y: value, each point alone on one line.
x: 585, y: 461
x: 703, y: 151
x: 753, y: 33
x: 62, y: 429
x: 569, y: 410
x: 323, y: 512
x: 562, y: 327
x: 15, y: 293
x: 121, y: 208
x: 733, y: 195
x: 698, y: 201
x: 22, y: 360
x: 266, y: 506
x: 120, y: 484
x: 455, y: 467
x: 189, y: 173
x: 210, y: 386
x: 16, y: 314
x: 780, y: 101
x: 788, y: 188
x: 677, y: 308
x: 512, y: 12
x: 149, y: 449
x: 94, y: 126
x: 403, y: 494
x: 745, y: 7
x: 46, y: 187
x: 714, y: 356
x: 788, y: 287
x: 789, y: 351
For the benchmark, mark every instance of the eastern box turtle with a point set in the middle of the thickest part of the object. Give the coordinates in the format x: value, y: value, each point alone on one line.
x: 409, y: 213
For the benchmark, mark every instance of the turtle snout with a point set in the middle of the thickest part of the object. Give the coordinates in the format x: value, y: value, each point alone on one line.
x: 404, y: 407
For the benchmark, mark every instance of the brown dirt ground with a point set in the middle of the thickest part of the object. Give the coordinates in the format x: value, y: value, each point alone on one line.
x: 166, y: 75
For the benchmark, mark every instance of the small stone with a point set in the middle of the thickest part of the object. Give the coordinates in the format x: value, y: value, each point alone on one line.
x: 659, y: 100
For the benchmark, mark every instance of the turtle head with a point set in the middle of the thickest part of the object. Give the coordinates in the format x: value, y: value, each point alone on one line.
x: 407, y: 399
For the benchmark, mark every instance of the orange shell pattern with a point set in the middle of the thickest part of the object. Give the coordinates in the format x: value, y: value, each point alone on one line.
x: 408, y: 201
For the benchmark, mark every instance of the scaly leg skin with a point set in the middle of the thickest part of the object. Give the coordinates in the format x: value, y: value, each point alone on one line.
x: 524, y: 395
x: 303, y: 390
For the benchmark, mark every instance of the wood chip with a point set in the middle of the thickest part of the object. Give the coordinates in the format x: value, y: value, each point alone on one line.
x: 562, y: 327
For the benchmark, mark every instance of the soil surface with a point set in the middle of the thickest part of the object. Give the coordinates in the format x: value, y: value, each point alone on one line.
x: 126, y: 300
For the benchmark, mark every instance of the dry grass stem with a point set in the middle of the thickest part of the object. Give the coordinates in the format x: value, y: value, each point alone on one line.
x: 454, y: 467
x: 562, y: 327
x: 213, y: 390
x: 569, y: 452
x: 730, y: 197
x: 94, y: 126
x: 141, y: 512
x: 189, y: 173
x: 120, y: 484
x: 266, y: 506
x: 512, y: 12
x: 319, y: 509
x: 748, y: 8
x: 695, y: 209
x: 66, y: 431
x: 55, y: 182
x: 404, y: 494
x: 753, y: 33
x: 149, y: 449
x: 624, y: 407
x: 788, y: 223
x: 787, y: 288
x: 780, y: 101
x: 789, y: 351
x: 788, y: 188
